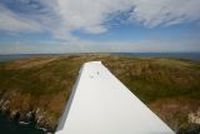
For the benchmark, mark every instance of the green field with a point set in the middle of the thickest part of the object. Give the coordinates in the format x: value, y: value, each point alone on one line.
x: 170, y: 87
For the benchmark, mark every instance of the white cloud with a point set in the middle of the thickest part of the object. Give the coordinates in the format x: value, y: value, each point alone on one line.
x: 91, y: 16
x: 165, y: 12
x: 62, y: 17
x: 147, y: 45
x: 13, y: 23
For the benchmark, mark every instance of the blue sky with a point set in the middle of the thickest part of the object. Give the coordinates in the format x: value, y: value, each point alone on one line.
x: 63, y: 26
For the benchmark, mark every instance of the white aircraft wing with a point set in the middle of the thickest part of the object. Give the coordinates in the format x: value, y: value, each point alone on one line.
x: 101, y: 104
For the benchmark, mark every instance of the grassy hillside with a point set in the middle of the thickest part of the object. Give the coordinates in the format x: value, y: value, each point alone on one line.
x: 42, y: 85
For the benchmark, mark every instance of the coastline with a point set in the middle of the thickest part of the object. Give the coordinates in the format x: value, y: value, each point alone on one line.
x: 41, y: 86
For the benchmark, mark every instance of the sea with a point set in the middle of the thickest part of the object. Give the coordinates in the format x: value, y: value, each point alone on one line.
x: 11, y: 57
x: 8, y: 126
x: 195, y: 56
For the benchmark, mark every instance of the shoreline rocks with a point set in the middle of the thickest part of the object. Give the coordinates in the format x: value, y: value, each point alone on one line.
x: 194, y: 117
x: 36, y: 116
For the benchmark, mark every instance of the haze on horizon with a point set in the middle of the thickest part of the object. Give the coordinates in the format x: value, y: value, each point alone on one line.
x: 63, y: 26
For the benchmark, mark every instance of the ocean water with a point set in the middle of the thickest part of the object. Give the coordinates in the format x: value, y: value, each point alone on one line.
x: 18, y: 56
x: 187, y: 56
x: 8, y: 126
